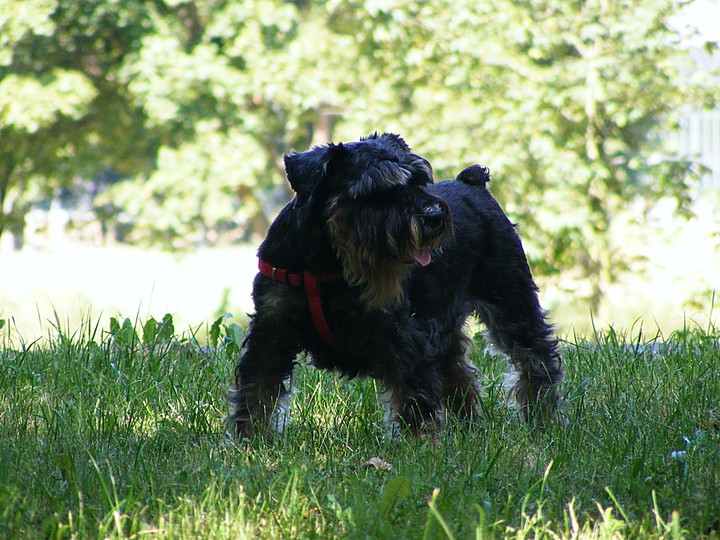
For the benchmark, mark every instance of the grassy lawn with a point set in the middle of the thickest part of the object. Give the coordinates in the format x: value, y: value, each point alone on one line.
x: 116, y: 430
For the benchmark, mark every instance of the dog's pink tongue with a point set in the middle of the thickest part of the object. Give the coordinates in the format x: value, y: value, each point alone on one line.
x: 422, y: 257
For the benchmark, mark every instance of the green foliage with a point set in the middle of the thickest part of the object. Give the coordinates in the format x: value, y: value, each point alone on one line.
x: 605, y: 85
x: 121, y: 433
x: 196, y: 101
x: 59, y: 93
x: 395, y: 491
x: 20, y: 19
x: 62, y: 112
x: 200, y: 193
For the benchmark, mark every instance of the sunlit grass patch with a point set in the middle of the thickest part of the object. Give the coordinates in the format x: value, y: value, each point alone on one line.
x: 117, y: 430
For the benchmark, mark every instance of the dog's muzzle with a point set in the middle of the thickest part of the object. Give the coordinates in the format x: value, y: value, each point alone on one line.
x: 434, y: 217
x: 433, y: 224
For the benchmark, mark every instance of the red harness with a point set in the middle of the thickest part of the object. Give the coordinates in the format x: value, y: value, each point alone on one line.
x: 313, y: 294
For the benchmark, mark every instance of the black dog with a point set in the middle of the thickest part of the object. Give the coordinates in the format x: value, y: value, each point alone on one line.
x: 373, y: 270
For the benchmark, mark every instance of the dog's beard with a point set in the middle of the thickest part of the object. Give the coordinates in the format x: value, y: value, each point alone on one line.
x: 415, y: 249
x: 378, y: 260
x: 380, y: 279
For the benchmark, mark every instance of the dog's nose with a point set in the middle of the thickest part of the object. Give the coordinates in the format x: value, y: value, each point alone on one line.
x: 433, y: 216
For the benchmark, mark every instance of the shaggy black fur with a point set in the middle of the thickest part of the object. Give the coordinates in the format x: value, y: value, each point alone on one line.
x: 417, y: 260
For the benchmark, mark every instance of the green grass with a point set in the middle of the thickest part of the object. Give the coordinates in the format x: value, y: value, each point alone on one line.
x: 118, y: 431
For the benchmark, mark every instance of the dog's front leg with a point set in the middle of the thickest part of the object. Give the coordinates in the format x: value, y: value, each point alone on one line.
x: 260, y: 375
x: 415, y: 402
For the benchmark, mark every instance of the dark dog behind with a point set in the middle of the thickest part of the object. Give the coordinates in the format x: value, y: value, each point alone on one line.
x: 373, y: 271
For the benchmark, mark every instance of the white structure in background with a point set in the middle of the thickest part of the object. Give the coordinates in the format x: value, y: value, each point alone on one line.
x: 699, y: 140
x: 699, y: 136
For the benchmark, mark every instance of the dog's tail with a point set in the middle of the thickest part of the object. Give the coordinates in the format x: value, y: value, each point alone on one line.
x: 476, y: 175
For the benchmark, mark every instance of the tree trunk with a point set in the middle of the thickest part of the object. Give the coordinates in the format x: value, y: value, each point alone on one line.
x: 323, y: 127
x: 4, y: 188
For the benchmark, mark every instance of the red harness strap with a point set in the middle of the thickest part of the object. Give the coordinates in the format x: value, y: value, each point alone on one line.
x: 313, y: 294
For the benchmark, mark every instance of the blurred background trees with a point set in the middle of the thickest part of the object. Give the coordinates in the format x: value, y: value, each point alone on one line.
x: 175, y: 114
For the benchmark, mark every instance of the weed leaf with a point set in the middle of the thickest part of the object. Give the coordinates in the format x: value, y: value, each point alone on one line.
x: 394, y: 492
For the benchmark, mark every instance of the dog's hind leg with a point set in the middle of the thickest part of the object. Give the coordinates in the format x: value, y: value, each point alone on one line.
x: 260, y: 376
x: 518, y: 329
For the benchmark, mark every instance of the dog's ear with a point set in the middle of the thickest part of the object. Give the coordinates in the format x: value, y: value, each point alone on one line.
x: 301, y: 170
x: 304, y: 171
x: 422, y: 172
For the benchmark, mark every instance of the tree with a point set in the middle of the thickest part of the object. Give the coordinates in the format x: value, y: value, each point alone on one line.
x: 564, y: 100
x: 256, y: 79
x: 200, y: 194
x: 196, y: 101
x: 63, y: 115
x: 606, y: 82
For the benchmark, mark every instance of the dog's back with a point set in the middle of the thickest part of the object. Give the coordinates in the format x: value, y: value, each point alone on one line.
x: 480, y: 262
x: 482, y: 239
